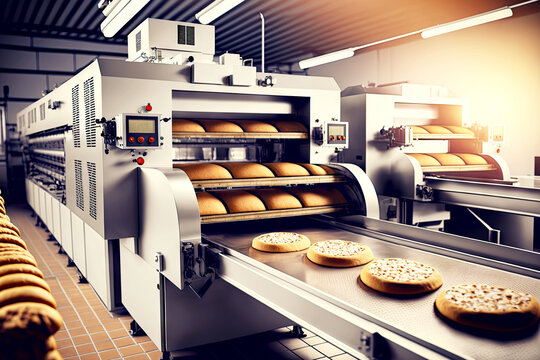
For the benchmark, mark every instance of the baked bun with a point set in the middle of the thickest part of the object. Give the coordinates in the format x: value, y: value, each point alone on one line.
x: 12, y: 239
x: 281, y: 242
x: 460, y: 130
x: 5, y: 217
x: 25, y: 319
x: 256, y: 126
x: 221, y: 126
x: 181, y: 125
x: 448, y: 159
x: 339, y: 253
x: 53, y: 355
x: 20, y: 268
x: 328, y: 169
x: 418, y: 130
x: 400, y: 276
x: 275, y: 199
x: 238, y: 201
x: 287, y: 169
x: 204, y: 171
x: 288, y: 126
x: 425, y: 160
x: 472, y: 159
x: 248, y: 170
x: 8, y: 225
x: 318, y: 195
x: 26, y: 294
x: 488, y: 307
x: 10, y: 247
x: 435, y: 129
x: 314, y: 169
x: 209, y: 204
x: 15, y: 280
x: 10, y: 257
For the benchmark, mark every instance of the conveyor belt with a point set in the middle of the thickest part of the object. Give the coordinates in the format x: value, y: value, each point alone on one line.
x: 410, y: 316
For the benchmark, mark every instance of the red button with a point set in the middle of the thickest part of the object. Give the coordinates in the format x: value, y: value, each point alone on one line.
x: 131, y: 139
x: 140, y: 160
x: 140, y: 139
x: 151, y: 139
x: 331, y: 138
x: 339, y: 137
x: 343, y: 137
x: 148, y: 107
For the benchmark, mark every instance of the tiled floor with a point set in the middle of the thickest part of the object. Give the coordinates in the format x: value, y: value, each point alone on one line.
x: 90, y: 332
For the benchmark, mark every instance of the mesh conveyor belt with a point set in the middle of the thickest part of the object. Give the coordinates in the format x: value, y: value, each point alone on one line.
x: 412, y: 315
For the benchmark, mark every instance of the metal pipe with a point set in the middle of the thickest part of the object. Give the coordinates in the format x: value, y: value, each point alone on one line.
x: 262, y: 41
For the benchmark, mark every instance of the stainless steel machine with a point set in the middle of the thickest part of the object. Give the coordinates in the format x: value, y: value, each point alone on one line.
x: 101, y: 175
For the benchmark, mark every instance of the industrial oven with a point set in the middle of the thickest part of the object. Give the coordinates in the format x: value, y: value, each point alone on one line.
x: 104, y: 155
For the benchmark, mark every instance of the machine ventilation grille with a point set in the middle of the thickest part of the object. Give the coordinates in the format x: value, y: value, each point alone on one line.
x: 90, y: 113
x: 42, y: 111
x: 138, y: 41
x: 79, y: 185
x: 92, y: 189
x: 76, y: 116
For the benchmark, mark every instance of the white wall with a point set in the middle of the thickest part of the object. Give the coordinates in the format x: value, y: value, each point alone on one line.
x: 496, y: 66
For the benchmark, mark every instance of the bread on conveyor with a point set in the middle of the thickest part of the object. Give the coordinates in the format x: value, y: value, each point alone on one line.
x: 318, y: 195
x: 8, y: 225
x: 16, y: 257
x: 288, y: 126
x: 328, y: 169
x: 204, y: 171
x: 460, y: 130
x: 12, y: 239
x: 314, y: 169
x: 447, y: 159
x: 488, y: 307
x: 220, y: 126
x: 209, y: 204
x: 26, y: 294
x: 29, y: 319
x: 339, y: 253
x: 256, y: 126
x: 281, y: 242
x: 276, y: 199
x: 436, y: 129
x: 238, y: 201
x: 181, y: 125
x: 14, y: 280
x: 425, y: 160
x: 248, y: 170
x: 418, y: 130
x: 287, y: 169
x: 20, y: 269
x: 400, y: 276
x: 472, y: 159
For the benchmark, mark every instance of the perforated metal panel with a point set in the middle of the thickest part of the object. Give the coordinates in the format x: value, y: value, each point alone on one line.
x: 89, y: 113
x: 79, y: 190
x: 76, y: 116
x: 42, y: 111
x: 92, y: 208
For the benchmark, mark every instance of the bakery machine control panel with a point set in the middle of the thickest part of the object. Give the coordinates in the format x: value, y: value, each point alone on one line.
x: 333, y: 133
x: 137, y: 131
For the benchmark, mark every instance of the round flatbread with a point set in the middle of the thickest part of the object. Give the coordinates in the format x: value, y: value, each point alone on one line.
x: 281, y: 242
x: 339, y: 253
x: 400, y: 276
x: 26, y: 294
x: 29, y: 319
x: 8, y: 225
x: 14, y: 280
x: 488, y: 307
x: 20, y: 268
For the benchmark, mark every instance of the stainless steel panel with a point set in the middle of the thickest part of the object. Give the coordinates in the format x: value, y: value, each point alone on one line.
x: 67, y: 236
x: 411, y: 317
x: 79, y: 247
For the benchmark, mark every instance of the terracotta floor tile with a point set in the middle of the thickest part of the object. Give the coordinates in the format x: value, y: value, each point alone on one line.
x: 125, y: 341
x: 92, y: 356
x: 137, y: 357
x: 85, y: 349
x: 94, y: 329
x: 118, y: 333
x: 80, y: 340
x: 63, y: 343
x: 154, y: 355
x: 77, y: 331
x: 73, y: 324
x: 67, y: 352
x: 148, y: 346
x: 141, y: 339
x: 109, y: 354
x: 100, y: 336
x: 91, y: 322
x: 61, y: 334
x: 130, y: 350
x: 104, y: 345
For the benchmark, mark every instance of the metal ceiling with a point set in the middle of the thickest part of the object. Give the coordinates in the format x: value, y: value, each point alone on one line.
x: 295, y: 29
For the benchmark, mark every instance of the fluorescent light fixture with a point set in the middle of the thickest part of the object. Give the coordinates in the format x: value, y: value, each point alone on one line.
x: 124, y: 11
x: 215, y: 10
x: 326, y: 58
x: 467, y: 22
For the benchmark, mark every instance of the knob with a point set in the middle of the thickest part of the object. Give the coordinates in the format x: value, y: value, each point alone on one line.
x: 148, y: 107
x: 140, y: 139
x: 131, y: 139
x: 140, y: 161
x: 151, y: 139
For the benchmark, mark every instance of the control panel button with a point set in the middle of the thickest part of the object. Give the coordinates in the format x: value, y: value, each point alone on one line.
x: 331, y: 138
x: 140, y: 161
x: 343, y: 137
x: 148, y: 107
x: 151, y: 139
x: 140, y: 139
x: 339, y: 137
x: 131, y: 139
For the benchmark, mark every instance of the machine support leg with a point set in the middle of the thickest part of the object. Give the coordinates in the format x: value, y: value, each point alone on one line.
x: 298, y: 331
x: 70, y: 262
x: 135, y: 329
x: 82, y: 279
x: 165, y: 355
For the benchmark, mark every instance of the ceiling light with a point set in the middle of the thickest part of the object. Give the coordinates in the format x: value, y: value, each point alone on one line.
x: 326, y: 58
x: 121, y: 15
x: 215, y: 10
x: 467, y: 22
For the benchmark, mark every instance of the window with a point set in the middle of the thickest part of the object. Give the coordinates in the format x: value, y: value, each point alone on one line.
x: 186, y: 35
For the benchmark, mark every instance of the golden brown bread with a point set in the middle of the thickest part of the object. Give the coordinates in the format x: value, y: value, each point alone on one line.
x: 4, y: 230
x: 14, y: 280
x: 26, y: 319
x: 248, y: 170
x: 20, y: 268
x: 287, y: 169
x: 220, y: 126
x: 425, y: 160
x: 204, y: 171
x: 10, y: 257
x: 5, y: 217
x: 288, y: 126
x: 460, y: 130
x: 26, y: 294
x: 275, y: 199
x: 314, y: 169
x: 280, y: 242
x: 53, y: 355
x: 339, y: 253
x: 209, y: 204
x: 328, y: 169
x: 13, y: 239
x: 255, y: 126
x: 435, y: 129
x: 181, y: 125
x: 3, y: 210
x: 418, y: 130
x: 238, y: 201
x: 318, y: 195
x: 10, y: 247
x: 448, y: 159
x: 8, y: 225
x: 472, y: 159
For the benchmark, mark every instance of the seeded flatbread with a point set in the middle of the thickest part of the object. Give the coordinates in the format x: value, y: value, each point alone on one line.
x: 400, y: 276
x: 339, y: 253
x: 281, y: 242
x: 488, y: 307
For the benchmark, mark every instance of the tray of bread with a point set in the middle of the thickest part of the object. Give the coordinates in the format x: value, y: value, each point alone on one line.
x: 456, y: 162
x: 438, y: 132
x: 239, y: 129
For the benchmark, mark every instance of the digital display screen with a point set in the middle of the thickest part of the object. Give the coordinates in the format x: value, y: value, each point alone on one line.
x: 142, y: 126
x: 335, y: 130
